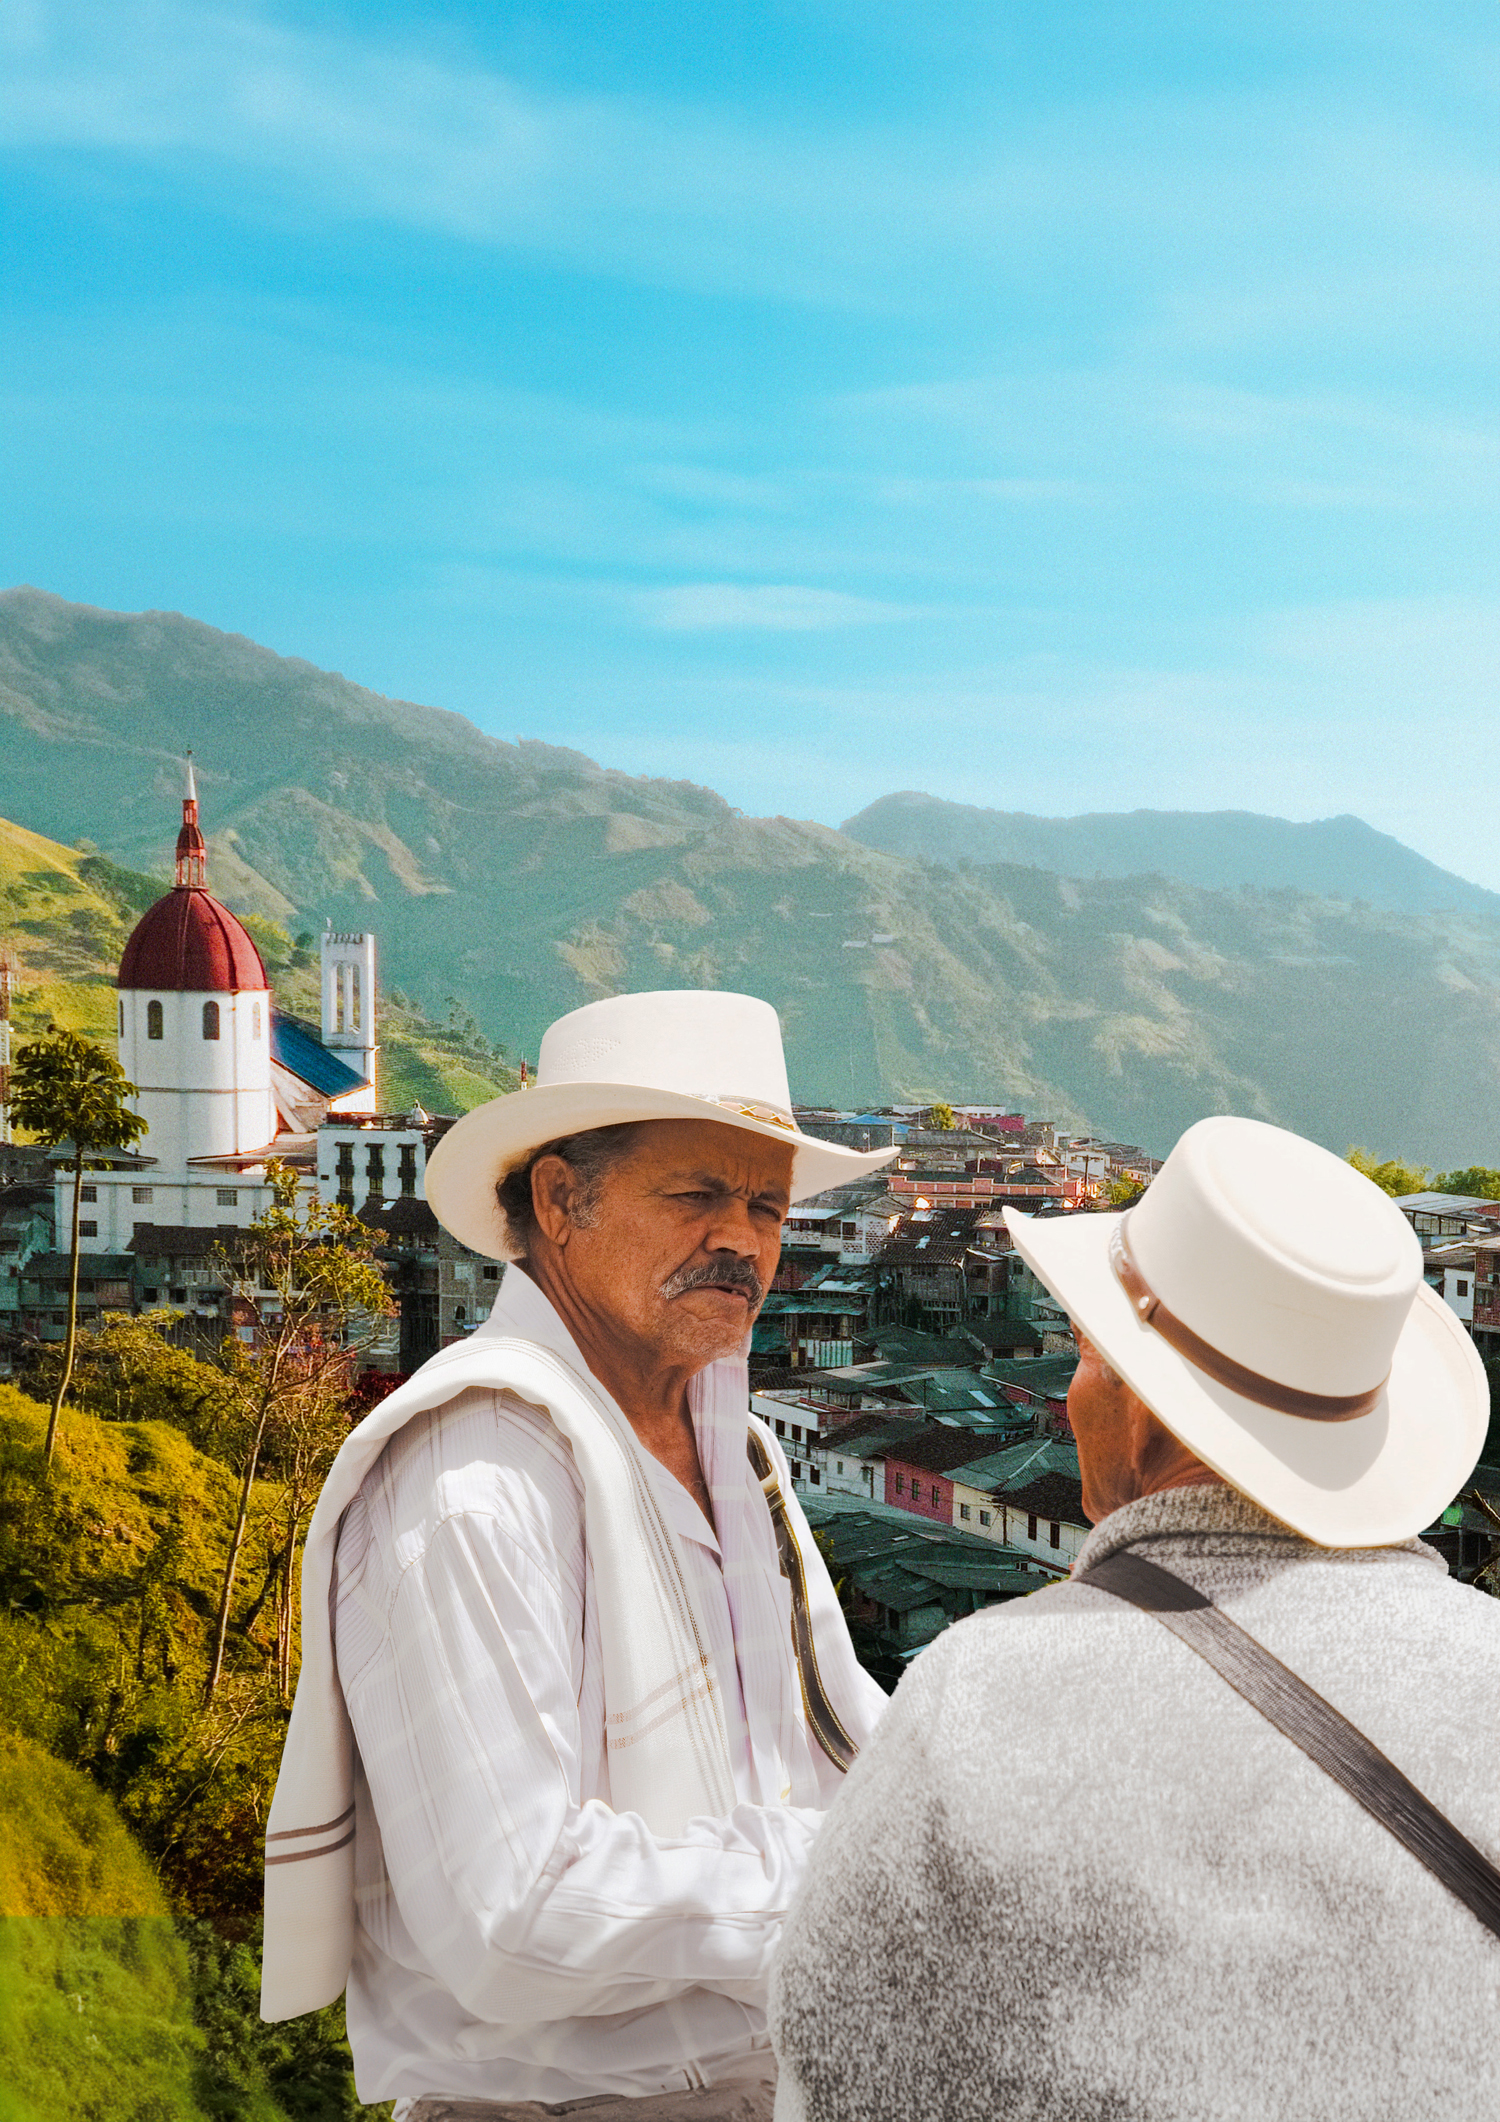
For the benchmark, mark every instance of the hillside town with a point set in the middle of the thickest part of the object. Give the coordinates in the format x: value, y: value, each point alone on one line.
x: 915, y: 1371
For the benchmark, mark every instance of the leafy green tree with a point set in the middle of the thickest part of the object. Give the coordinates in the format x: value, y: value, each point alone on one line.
x: 307, y: 1291
x: 1123, y: 1192
x: 1477, y: 1179
x: 940, y: 1117
x: 65, y: 1088
x: 1394, y: 1176
x: 271, y: 940
x: 130, y: 1370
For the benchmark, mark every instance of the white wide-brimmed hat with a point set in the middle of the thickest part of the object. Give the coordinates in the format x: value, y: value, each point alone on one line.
x: 1266, y: 1301
x: 680, y: 1054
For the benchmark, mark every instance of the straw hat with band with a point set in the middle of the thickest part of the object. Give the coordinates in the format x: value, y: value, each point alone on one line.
x: 680, y: 1054
x: 1266, y: 1301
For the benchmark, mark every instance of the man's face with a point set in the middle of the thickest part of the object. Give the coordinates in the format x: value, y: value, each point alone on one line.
x: 683, y: 1239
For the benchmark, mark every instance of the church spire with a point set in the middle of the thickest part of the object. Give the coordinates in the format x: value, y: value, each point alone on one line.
x: 192, y: 854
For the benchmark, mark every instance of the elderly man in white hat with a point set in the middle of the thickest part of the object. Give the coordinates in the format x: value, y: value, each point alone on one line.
x: 576, y: 1691
x: 1210, y: 1830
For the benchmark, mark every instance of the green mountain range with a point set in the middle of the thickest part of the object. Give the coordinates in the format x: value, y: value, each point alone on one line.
x: 521, y: 880
x: 1223, y: 850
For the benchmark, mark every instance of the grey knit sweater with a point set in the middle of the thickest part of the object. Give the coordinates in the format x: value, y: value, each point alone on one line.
x: 1076, y: 1878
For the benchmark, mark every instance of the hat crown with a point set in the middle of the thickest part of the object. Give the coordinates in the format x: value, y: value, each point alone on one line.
x: 1279, y: 1255
x: 695, y: 1042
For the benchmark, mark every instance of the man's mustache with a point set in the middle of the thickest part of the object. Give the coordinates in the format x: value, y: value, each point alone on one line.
x: 734, y: 1273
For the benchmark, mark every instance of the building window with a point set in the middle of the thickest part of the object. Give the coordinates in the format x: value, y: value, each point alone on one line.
x: 934, y: 1492
x: 901, y: 1484
x: 88, y: 1229
x: 780, y: 1427
x: 986, y: 1517
x: 964, y: 1511
x: 88, y: 1193
x: 841, y: 1465
x: 406, y: 1168
x: 153, y: 1020
x: 1031, y: 1526
x: 491, y: 1274
x: 796, y: 1469
x: 142, y: 1196
x: 149, y: 1296
x: 255, y: 1020
x: 1054, y: 1534
x: 210, y: 1020
x: 797, y: 1432
x: 1463, y: 1289
x: 179, y: 1296
x: 816, y: 1476
x: 375, y: 1169
x: 345, y: 1171
x: 227, y: 1196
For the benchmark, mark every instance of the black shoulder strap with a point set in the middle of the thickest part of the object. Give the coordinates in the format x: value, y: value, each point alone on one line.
x: 822, y: 1718
x: 1296, y: 1709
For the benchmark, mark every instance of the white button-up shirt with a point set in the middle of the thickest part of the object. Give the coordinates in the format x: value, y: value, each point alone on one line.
x: 518, y: 1939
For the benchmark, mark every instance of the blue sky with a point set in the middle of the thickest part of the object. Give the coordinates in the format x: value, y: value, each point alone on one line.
x: 1056, y: 408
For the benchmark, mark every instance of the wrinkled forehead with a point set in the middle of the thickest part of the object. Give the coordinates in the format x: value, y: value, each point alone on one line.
x: 698, y: 1152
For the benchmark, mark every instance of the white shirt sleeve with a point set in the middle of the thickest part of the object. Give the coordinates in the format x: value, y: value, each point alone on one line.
x: 528, y: 1904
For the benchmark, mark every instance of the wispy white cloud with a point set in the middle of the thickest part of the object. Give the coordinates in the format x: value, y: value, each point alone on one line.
x: 326, y: 125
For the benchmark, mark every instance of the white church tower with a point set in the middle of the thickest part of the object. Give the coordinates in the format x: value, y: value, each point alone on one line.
x: 348, y: 963
x: 195, y: 1017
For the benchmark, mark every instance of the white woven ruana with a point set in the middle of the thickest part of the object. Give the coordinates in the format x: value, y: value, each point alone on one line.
x: 668, y: 1746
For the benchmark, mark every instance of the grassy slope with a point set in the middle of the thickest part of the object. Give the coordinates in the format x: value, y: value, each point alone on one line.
x: 108, y: 1576
x: 96, y: 2021
x: 65, y: 914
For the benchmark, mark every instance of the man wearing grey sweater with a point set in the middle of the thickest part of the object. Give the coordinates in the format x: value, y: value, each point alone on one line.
x: 1076, y: 1876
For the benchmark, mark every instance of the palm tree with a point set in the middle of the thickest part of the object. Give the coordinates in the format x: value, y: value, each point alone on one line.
x: 65, y: 1088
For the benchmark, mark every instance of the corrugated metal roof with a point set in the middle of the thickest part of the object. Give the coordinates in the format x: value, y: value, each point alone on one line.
x: 304, y: 1056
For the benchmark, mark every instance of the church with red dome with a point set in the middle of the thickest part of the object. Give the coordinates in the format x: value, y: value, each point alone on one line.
x: 223, y: 1079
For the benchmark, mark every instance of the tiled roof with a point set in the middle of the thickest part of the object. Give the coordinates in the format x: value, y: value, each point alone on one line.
x: 935, y: 1452
x: 1052, y: 1496
x: 180, y: 1241
x: 874, y: 1430
x: 404, y: 1218
x: 92, y: 1267
x: 1029, y: 1460
x: 1048, y: 1377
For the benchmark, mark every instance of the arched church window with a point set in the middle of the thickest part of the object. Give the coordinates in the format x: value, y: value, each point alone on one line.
x: 210, y: 1020
x: 255, y: 1020
x: 153, y: 1020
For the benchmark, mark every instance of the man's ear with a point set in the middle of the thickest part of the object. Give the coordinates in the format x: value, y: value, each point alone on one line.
x: 553, y: 1186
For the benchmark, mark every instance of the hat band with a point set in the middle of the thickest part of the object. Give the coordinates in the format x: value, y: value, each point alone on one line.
x: 753, y: 1109
x: 1249, y: 1384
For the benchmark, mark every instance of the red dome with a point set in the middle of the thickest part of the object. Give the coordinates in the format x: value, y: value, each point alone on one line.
x: 189, y: 942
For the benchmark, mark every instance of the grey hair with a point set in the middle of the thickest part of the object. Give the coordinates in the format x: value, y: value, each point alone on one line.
x: 592, y: 1154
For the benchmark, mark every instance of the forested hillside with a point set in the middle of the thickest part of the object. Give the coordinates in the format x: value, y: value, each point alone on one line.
x: 520, y: 880
x: 65, y: 913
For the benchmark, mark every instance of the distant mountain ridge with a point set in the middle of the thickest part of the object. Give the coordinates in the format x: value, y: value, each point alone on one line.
x: 1226, y: 850
x: 525, y: 879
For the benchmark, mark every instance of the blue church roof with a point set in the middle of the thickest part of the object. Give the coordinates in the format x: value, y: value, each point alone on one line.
x: 304, y: 1055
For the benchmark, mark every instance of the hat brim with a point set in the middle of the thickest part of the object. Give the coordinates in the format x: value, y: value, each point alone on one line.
x: 479, y: 1149
x: 1366, y: 1483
